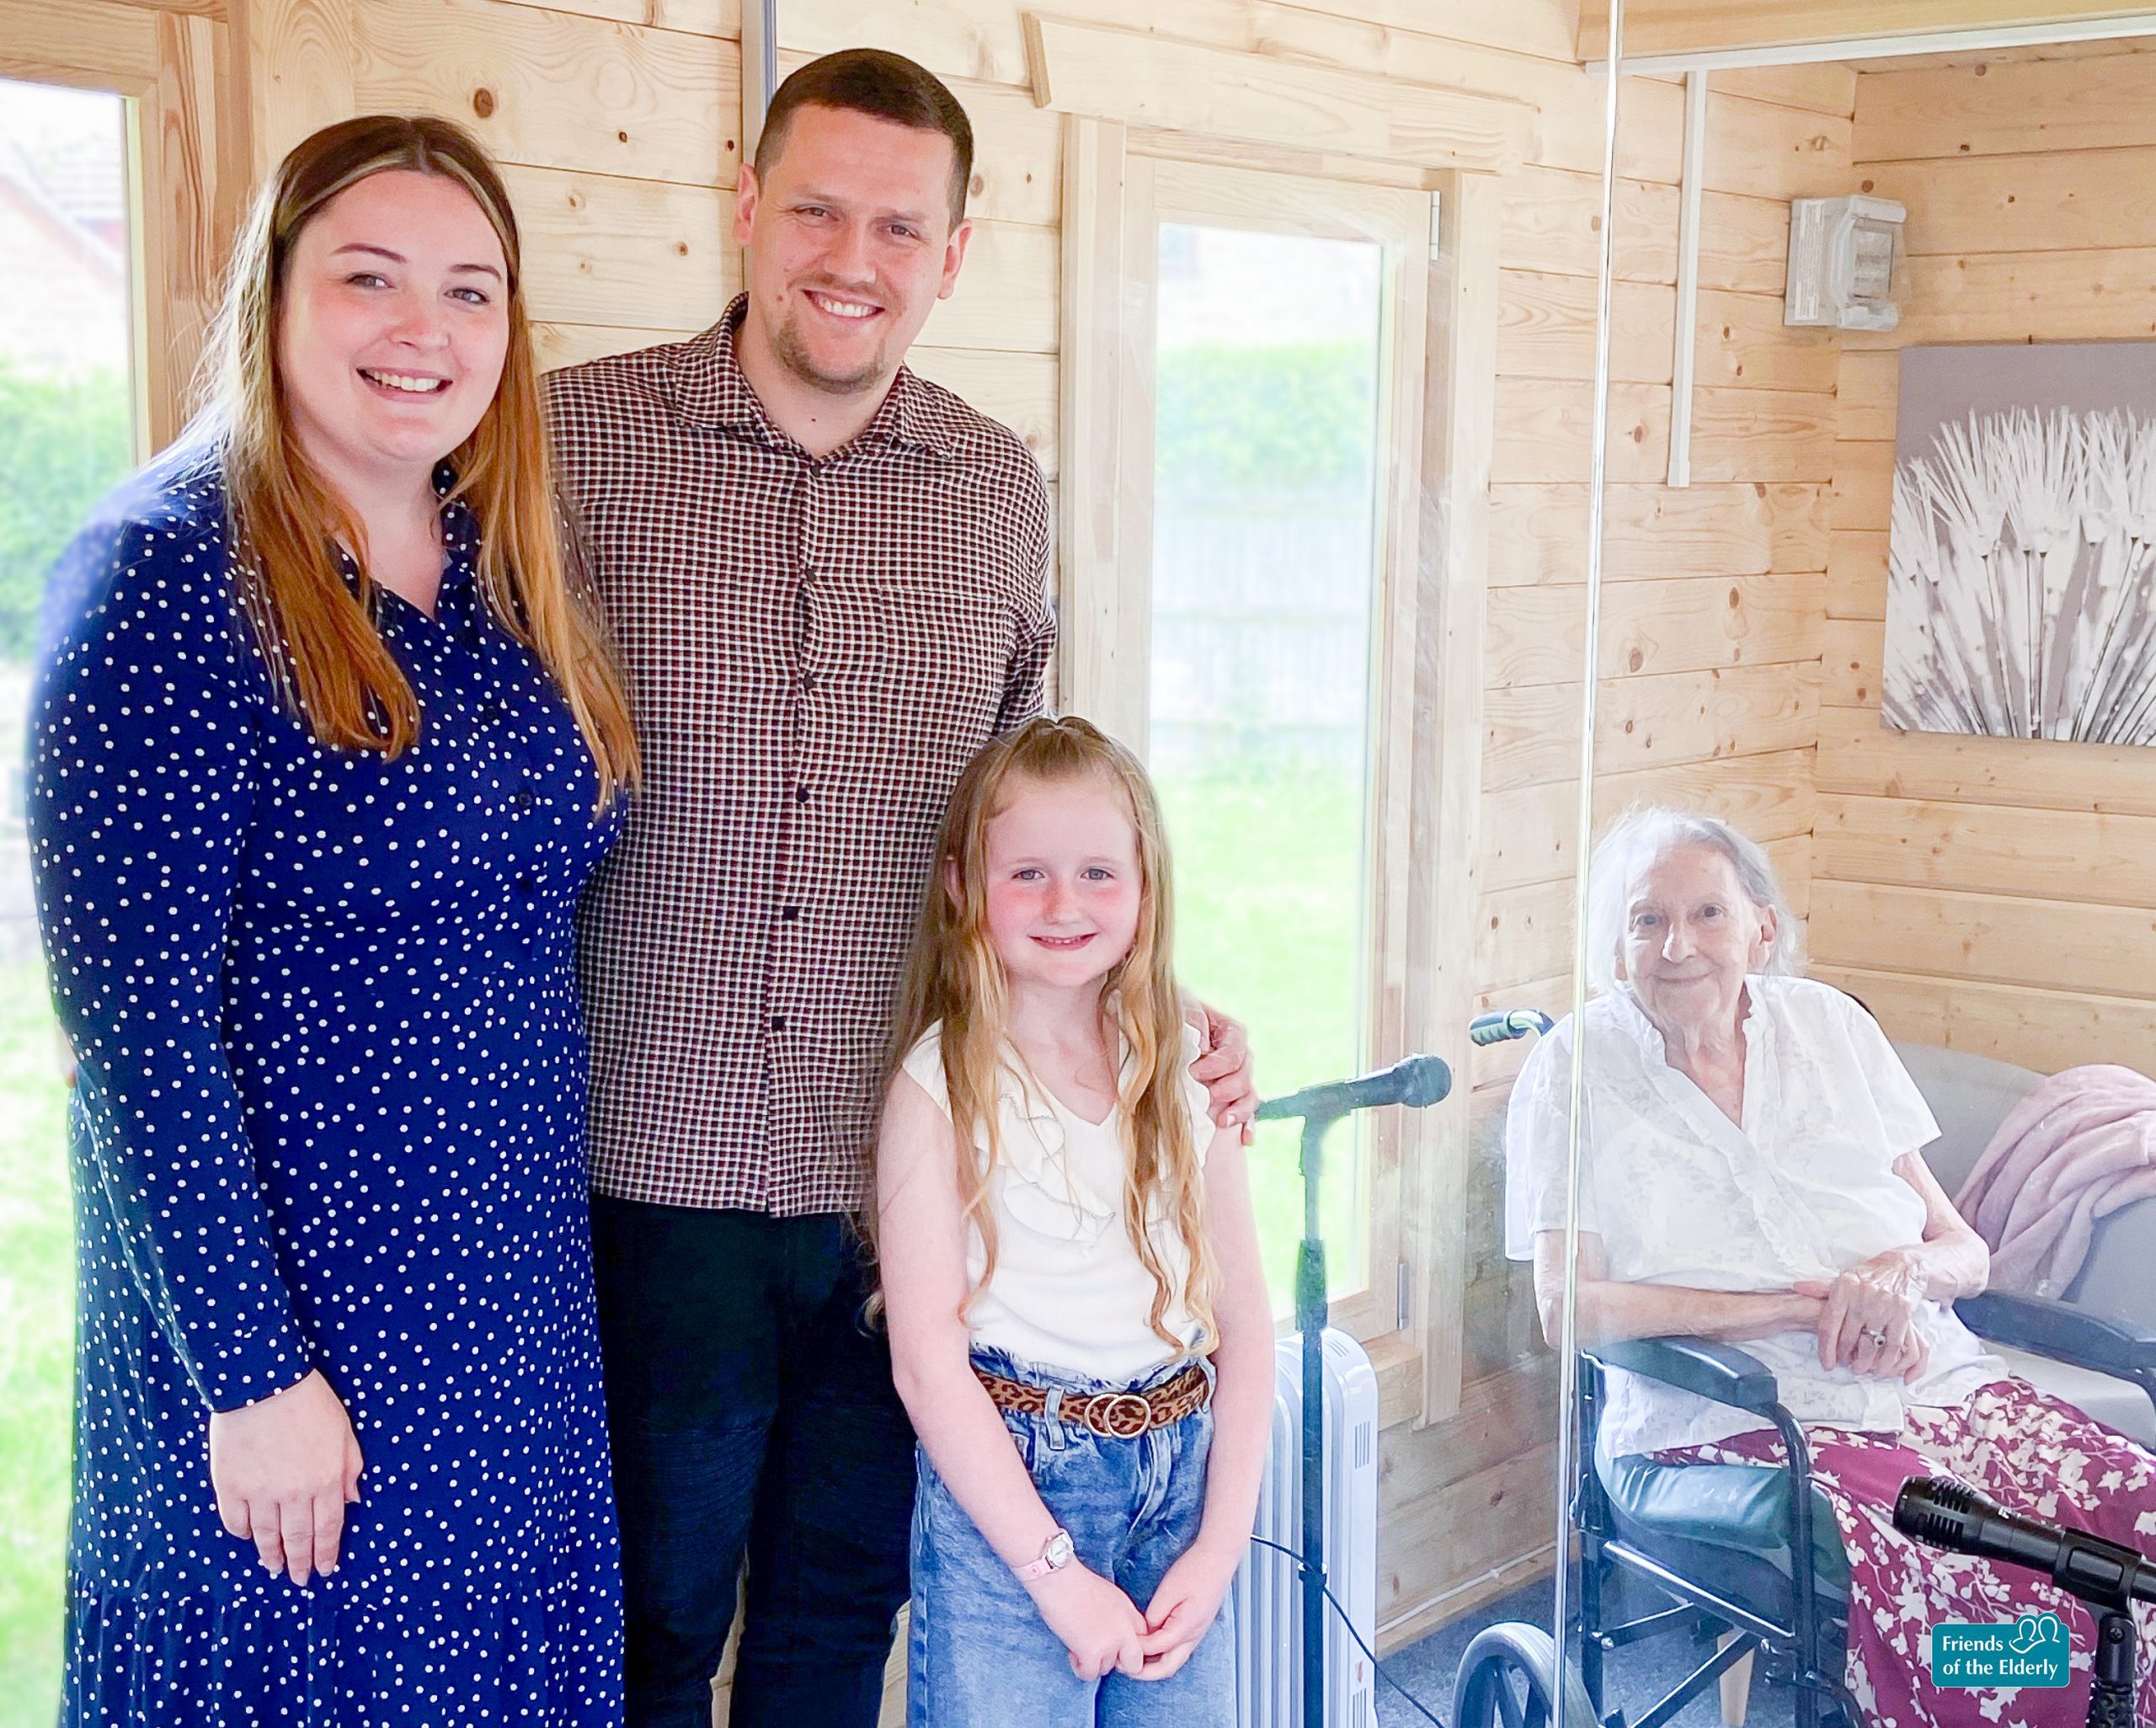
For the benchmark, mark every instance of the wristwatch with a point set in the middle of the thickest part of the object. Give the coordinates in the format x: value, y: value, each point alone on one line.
x: 1056, y: 1553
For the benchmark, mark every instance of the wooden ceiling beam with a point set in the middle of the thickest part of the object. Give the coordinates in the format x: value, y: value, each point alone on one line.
x: 1655, y: 28
x: 214, y: 9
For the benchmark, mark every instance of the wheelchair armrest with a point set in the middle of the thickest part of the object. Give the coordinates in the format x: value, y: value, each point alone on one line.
x: 1720, y: 1372
x: 2058, y: 1330
x: 1728, y: 1375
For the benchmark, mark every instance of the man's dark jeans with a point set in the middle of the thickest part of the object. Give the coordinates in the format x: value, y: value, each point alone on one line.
x: 750, y: 1407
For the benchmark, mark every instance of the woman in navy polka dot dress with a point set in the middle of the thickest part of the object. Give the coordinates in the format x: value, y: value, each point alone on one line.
x: 324, y: 745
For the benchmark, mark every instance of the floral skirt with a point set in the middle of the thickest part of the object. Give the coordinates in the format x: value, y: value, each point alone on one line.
x: 2030, y: 1453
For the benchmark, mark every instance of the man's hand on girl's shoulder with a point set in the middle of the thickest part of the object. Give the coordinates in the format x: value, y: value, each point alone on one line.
x: 1223, y: 1068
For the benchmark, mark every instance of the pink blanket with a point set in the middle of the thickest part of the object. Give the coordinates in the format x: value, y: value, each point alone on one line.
x: 2082, y: 1145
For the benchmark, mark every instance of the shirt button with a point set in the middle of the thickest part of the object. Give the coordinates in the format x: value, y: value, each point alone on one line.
x: 801, y: 795
x: 778, y: 1022
x: 521, y: 800
x: 789, y: 913
x: 808, y: 681
x: 526, y: 886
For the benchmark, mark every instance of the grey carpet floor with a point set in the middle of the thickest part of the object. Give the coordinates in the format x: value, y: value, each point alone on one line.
x: 1636, y: 1676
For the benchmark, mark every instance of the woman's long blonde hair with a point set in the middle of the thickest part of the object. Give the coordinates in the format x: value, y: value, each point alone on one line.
x: 318, y: 629
x: 954, y: 976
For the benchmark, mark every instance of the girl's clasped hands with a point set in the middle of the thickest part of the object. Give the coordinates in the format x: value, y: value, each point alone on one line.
x: 1104, y: 1631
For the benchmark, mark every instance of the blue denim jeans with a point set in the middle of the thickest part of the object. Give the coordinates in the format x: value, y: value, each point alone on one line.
x: 980, y: 1654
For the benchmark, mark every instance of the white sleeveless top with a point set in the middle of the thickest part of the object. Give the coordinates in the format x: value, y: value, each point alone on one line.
x: 1069, y: 1291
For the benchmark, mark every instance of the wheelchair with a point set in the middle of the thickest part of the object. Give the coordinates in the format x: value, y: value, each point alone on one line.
x: 1744, y: 1558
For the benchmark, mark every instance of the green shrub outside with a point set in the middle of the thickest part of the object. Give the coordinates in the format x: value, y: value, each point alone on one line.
x: 64, y: 440
x: 36, y: 1343
x: 1262, y: 840
x: 1288, y: 417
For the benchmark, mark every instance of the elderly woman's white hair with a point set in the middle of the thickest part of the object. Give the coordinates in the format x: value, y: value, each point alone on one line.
x: 1642, y: 837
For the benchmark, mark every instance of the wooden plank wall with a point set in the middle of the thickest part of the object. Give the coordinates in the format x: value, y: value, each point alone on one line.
x: 1996, y: 895
x: 616, y: 123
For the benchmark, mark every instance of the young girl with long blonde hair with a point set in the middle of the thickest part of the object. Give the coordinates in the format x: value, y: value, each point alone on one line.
x: 1079, y: 1324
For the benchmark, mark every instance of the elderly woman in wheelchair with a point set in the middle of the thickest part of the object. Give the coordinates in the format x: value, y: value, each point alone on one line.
x: 1750, y: 1176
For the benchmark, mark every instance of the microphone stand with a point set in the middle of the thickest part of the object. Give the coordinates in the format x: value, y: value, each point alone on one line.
x: 1319, y: 1109
x: 1311, y: 1316
x: 2110, y: 1697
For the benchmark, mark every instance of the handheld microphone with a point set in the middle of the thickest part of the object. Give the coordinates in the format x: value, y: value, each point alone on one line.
x: 1952, y: 1515
x: 1416, y: 1081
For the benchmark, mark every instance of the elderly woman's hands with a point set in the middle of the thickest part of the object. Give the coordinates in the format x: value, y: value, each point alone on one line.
x: 1868, y: 1316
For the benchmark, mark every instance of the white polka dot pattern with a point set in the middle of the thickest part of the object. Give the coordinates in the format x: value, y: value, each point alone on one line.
x: 329, y: 1115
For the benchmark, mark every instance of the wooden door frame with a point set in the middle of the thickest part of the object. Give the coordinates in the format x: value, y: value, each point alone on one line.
x: 1427, y: 719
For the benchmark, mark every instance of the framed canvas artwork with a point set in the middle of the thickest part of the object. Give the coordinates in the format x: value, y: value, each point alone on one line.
x: 2021, y: 567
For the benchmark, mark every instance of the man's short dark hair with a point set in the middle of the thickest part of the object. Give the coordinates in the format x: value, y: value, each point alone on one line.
x: 888, y: 86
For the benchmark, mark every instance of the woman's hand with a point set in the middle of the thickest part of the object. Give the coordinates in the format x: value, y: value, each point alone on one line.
x: 1869, y: 1313
x: 1184, y: 1607
x: 1099, y: 1625
x: 284, y: 1470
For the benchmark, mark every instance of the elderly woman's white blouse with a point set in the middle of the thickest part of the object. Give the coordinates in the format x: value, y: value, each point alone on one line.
x: 1679, y: 1194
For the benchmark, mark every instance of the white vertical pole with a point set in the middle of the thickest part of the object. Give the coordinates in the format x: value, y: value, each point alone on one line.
x: 1688, y: 279
x: 1568, y: 1458
x: 759, y: 69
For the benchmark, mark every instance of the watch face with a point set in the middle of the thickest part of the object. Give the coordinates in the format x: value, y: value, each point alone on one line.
x: 1058, y: 1552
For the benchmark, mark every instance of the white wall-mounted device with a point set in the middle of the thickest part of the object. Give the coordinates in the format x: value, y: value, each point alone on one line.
x: 1843, y: 256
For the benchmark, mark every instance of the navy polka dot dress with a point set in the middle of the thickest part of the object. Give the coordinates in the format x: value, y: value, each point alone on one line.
x: 329, y: 1115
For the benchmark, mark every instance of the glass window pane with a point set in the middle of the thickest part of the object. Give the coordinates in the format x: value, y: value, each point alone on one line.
x: 65, y: 437
x: 1265, y: 563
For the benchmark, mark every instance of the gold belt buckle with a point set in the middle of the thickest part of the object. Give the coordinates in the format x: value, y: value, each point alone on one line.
x: 1124, y: 1416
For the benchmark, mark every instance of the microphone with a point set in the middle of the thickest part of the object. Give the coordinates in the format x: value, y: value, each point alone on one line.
x: 1416, y: 1081
x: 1952, y: 1515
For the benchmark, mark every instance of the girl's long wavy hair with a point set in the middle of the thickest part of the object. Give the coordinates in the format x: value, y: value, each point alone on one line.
x: 955, y: 977
x: 318, y: 629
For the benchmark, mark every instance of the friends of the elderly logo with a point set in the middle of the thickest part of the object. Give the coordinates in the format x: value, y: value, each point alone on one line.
x: 2029, y: 1651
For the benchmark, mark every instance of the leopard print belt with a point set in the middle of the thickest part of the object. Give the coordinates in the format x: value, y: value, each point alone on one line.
x: 1114, y: 1416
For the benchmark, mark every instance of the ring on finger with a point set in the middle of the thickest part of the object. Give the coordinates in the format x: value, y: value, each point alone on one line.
x: 1876, y: 1334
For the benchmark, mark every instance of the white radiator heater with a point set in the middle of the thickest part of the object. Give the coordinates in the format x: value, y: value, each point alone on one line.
x: 1268, y: 1594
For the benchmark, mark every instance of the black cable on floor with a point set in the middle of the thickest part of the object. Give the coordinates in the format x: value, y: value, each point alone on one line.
x: 1417, y: 1704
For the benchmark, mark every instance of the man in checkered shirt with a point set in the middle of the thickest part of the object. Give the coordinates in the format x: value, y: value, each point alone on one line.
x: 827, y: 578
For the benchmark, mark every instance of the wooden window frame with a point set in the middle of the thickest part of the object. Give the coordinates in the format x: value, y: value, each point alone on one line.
x: 1119, y: 183
x: 185, y: 163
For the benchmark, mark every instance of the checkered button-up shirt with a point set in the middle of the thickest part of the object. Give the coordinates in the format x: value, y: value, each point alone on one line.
x: 814, y: 648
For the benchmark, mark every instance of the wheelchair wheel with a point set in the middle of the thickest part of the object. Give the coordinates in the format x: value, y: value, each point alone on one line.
x: 1511, y: 1677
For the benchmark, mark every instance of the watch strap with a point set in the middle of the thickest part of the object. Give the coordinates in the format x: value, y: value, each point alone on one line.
x: 1056, y: 1553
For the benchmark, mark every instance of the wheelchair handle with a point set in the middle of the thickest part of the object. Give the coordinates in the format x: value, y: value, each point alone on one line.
x: 1502, y: 1024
